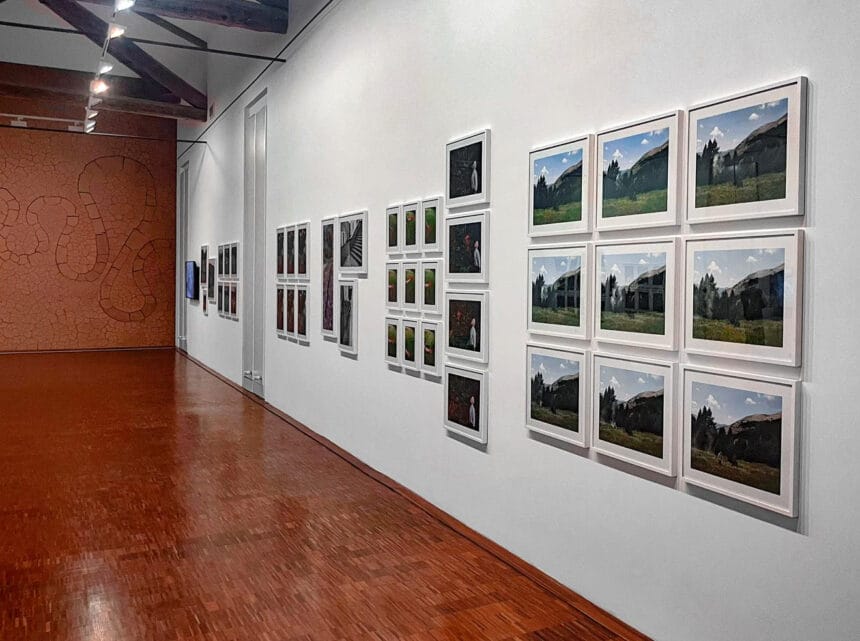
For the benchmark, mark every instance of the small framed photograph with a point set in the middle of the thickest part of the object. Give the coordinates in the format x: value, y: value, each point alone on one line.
x: 430, y: 361
x: 746, y: 155
x: 234, y: 301
x: 210, y: 278
x: 280, y: 256
x: 411, y: 344
x: 291, y: 310
x: 205, y: 305
x: 640, y: 181
x: 635, y: 290
x: 204, y: 263
x: 560, y: 196
x: 228, y: 269
x: 220, y: 298
x: 302, y: 242
x: 740, y: 437
x: 392, y: 340
x: 468, y: 323
x: 302, y: 294
x: 410, y: 242
x: 353, y: 243
x: 234, y: 260
x: 744, y: 296
x: 280, y: 327
x: 221, y: 261
x: 393, y: 278
x: 466, y: 261
x: 468, y: 170
x: 291, y: 250
x: 393, y: 217
x: 466, y: 402
x: 431, y: 281
x: 429, y: 229
x: 410, y: 300
x: 348, y: 313
x: 329, y: 260
x: 559, y: 284
x: 633, y: 415
x: 557, y: 394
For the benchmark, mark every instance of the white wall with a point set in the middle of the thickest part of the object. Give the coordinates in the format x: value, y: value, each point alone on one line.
x: 359, y: 117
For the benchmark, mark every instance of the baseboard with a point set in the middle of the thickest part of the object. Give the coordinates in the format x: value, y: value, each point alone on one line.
x: 621, y: 630
x: 85, y: 350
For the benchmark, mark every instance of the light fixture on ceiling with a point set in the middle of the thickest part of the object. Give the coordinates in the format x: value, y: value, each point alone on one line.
x: 105, y: 66
x: 93, y: 101
x: 89, y: 125
x: 98, y: 86
x: 115, y: 30
x: 122, y: 5
x: 91, y: 114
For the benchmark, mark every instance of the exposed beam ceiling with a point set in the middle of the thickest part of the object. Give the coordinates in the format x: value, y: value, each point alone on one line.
x: 172, y: 28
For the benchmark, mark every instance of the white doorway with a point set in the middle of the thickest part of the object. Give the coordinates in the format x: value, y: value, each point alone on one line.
x: 181, y: 257
x: 254, y: 254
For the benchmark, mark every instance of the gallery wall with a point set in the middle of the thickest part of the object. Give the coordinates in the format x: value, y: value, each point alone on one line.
x: 359, y: 117
x: 87, y: 241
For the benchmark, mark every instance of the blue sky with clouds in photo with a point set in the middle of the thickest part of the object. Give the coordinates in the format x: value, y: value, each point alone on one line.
x: 628, y: 267
x: 629, y: 149
x: 627, y: 383
x: 553, y: 166
x: 553, y: 266
x: 730, y: 266
x: 731, y: 127
x: 730, y: 404
x: 552, y: 368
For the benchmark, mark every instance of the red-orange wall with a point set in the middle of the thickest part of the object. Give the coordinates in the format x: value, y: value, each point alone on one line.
x: 87, y: 237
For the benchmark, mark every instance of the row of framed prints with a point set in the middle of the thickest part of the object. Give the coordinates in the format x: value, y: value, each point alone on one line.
x: 735, y: 158
x: 228, y: 261
x: 412, y: 344
x: 291, y: 311
x: 291, y: 251
x: 413, y: 228
x: 741, y: 295
x: 228, y: 297
x: 738, y: 431
x: 414, y: 286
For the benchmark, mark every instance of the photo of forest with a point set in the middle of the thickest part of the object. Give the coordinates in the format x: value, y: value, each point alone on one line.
x: 556, y: 289
x: 410, y: 227
x: 741, y: 155
x: 464, y: 324
x: 736, y: 434
x: 631, y: 409
x: 554, y: 391
x: 557, y: 188
x: 738, y: 296
x: 633, y: 292
x: 464, y: 401
x: 636, y: 174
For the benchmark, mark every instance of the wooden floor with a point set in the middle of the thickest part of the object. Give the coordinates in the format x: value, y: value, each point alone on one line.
x: 143, y: 498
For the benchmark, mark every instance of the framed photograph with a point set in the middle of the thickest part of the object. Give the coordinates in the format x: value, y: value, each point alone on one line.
x: 740, y: 437
x: 204, y: 265
x: 467, y: 248
x: 392, y: 220
x: 431, y: 286
x: 640, y: 181
x: 280, y: 257
x: 234, y: 260
x: 291, y: 251
x: 192, y: 280
x: 410, y: 299
x: 210, y: 279
x: 744, y: 296
x: 280, y: 327
x: 228, y: 270
x: 302, y: 240
x: 327, y: 299
x: 633, y: 415
x: 430, y: 360
x: 467, y: 173
x: 466, y: 402
x: 636, y: 284
x: 559, y: 284
x: 411, y: 243
x: 429, y: 229
x: 353, y: 243
x: 291, y: 310
x: 392, y: 340
x: 411, y: 344
x: 348, y: 313
x: 205, y: 305
x: 468, y: 324
x: 234, y: 301
x: 302, y: 293
x: 220, y: 298
x: 560, y: 196
x: 393, y: 278
x: 746, y: 155
x: 557, y: 394
x: 221, y: 262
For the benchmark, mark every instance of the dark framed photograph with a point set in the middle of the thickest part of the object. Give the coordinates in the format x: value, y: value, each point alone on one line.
x: 327, y: 298
x: 467, y: 323
x: 280, y: 258
x: 353, y: 243
x: 430, y: 360
x: 411, y: 241
x: 429, y: 225
x: 466, y: 402
x: 393, y: 279
x: 291, y: 250
x: 468, y: 170
x: 468, y: 252
x: 302, y: 293
x: 302, y: 240
x: 348, y: 312
x: 392, y: 340
x: 393, y: 241
x: 279, y: 310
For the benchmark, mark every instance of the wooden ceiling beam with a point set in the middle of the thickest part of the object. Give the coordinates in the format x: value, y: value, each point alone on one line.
x: 172, y: 28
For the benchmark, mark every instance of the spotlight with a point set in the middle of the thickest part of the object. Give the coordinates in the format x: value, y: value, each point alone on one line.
x: 91, y: 114
x: 122, y: 5
x: 89, y: 125
x: 98, y: 86
x: 105, y: 66
x: 115, y: 30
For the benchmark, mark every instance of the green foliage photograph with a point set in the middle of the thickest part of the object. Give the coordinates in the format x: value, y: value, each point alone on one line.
x: 557, y: 188
x: 636, y: 174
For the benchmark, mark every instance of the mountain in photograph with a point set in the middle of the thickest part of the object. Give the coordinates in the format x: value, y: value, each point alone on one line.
x: 635, y: 423
x: 641, y: 187
x: 560, y: 200
x: 556, y: 297
x: 555, y: 398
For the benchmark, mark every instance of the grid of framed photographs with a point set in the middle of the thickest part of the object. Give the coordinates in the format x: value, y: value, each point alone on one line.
x: 621, y: 328
x: 228, y: 281
x: 291, y: 251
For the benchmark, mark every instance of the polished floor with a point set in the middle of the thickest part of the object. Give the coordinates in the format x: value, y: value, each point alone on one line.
x: 141, y: 498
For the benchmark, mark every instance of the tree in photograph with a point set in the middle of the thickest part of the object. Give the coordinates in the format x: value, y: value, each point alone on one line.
x: 607, y: 405
x: 705, y: 163
x: 537, y: 291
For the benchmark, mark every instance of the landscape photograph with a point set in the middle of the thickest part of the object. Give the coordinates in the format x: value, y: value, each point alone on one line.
x: 464, y: 401
x: 557, y: 188
x: 465, y: 170
x: 393, y: 228
x: 556, y: 288
x: 736, y: 434
x: 430, y: 276
x: 464, y: 324
x: 741, y: 155
x: 393, y: 272
x: 738, y: 296
x: 410, y: 226
x: 633, y: 292
x: 554, y: 391
x: 636, y: 174
x: 391, y: 339
x: 430, y: 225
x: 631, y: 409
x: 409, y: 330
x: 465, y: 243
x: 429, y: 351
x: 409, y: 278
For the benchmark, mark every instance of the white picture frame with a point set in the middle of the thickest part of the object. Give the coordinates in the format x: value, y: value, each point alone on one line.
x: 280, y: 312
x: 434, y: 244
x: 347, y: 338
x: 303, y: 334
x: 290, y: 311
x: 467, y: 163
x: 410, y: 268
x: 433, y: 306
x: 328, y: 278
x: 393, y: 322
x: 290, y: 258
x: 550, y: 258
x: 753, y: 302
x: 435, y: 367
x: 739, y: 119
x: 303, y: 274
x: 466, y: 344
x: 619, y: 318
x: 281, y: 253
x: 635, y: 138
x: 467, y: 264
x: 554, y: 162
x: 353, y: 240
x: 410, y: 326
x: 410, y: 241
x: 395, y: 267
x: 716, y: 451
x: 557, y: 364
x: 460, y: 381
x: 636, y: 373
x: 393, y: 214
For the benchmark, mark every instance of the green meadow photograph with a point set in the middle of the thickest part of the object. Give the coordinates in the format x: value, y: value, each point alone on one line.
x: 631, y: 410
x: 636, y: 174
x: 633, y: 292
x: 554, y: 391
x: 556, y: 287
x: 557, y: 187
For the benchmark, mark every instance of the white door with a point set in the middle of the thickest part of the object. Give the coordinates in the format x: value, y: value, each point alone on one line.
x: 254, y: 255
x: 181, y: 257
